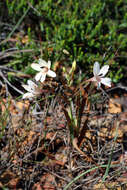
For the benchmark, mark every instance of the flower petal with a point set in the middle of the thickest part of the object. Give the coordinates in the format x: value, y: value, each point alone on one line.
x: 28, y: 95
x: 36, y: 67
x: 32, y: 84
x: 51, y: 73
x: 38, y: 76
x: 104, y: 70
x: 96, y: 68
x: 106, y: 81
x: 27, y: 87
x: 42, y: 63
x: 43, y: 76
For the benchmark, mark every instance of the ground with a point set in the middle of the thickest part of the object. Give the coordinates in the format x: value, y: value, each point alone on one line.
x: 37, y: 151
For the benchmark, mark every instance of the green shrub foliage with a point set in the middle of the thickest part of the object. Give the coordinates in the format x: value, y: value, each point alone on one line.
x: 89, y: 30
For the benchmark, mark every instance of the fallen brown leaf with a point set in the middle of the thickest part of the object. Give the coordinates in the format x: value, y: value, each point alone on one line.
x: 114, y: 107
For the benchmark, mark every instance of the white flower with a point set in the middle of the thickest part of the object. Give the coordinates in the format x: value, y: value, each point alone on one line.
x: 44, y: 69
x: 32, y: 88
x: 99, y: 75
